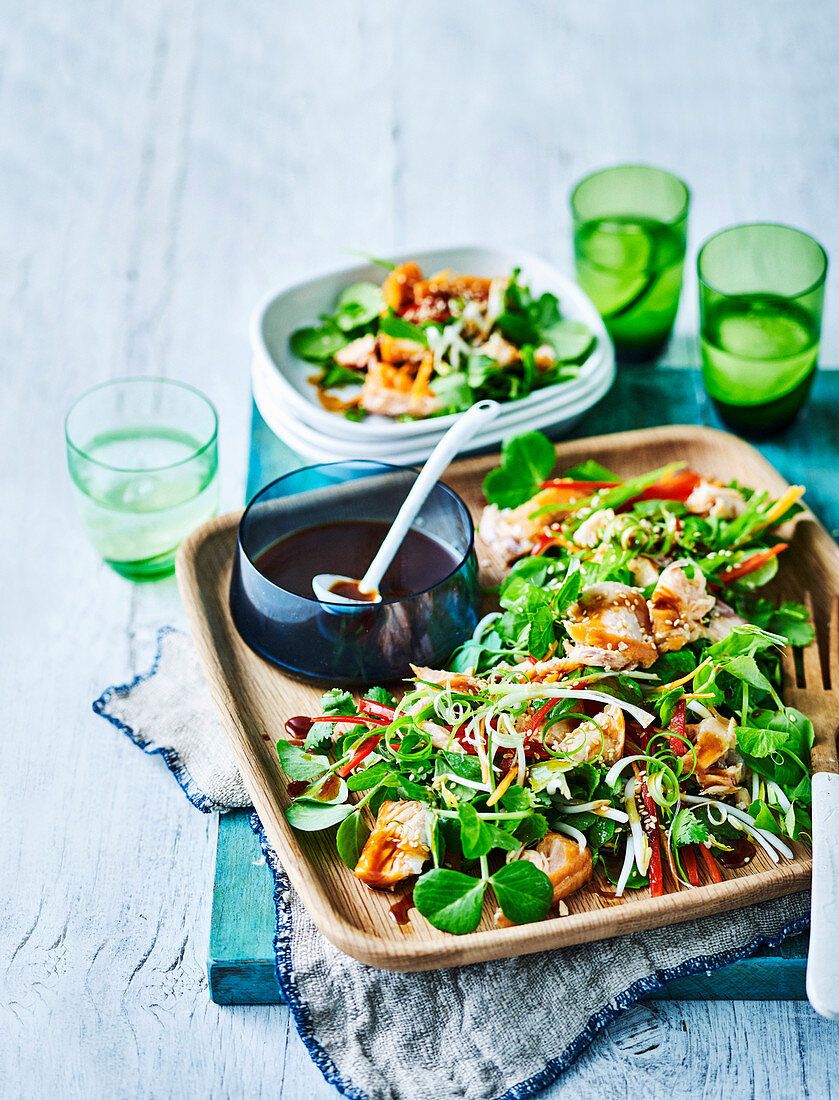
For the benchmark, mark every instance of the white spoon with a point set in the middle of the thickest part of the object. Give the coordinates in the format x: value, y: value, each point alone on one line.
x: 452, y: 442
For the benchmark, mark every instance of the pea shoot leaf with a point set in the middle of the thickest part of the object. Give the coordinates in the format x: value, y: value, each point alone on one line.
x: 450, y: 900
x: 524, y: 892
x: 476, y: 837
x: 350, y: 839
x: 358, y: 305
x: 317, y: 343
x: 298, y: 764
x: 310, y: 816
x: 526, y: 461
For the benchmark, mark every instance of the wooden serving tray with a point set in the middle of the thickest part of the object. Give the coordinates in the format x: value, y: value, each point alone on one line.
x: 254, y: 699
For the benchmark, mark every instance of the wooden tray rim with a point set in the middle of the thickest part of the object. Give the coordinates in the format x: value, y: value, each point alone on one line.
x: 446, y: 950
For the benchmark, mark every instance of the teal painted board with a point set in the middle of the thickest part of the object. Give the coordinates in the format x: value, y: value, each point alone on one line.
x: 241, y: 958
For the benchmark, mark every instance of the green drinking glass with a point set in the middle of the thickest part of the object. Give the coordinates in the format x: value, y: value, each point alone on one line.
x: 630, y: 231
x: 761, y: 296
x: 143, y: 459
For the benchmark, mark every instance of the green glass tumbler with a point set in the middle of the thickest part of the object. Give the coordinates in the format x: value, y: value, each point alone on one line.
x: 143, y: 459
x: 630, y: 232
x: 761, y: 296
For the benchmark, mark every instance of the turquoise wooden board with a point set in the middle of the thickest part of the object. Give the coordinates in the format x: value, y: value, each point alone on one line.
x: 241, y: 957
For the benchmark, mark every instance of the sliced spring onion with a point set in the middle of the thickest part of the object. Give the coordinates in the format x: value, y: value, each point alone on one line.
x: 459, y: 779
x: 768, y: 841
x: 519, y: 693
x: 626, y: 869
x: 782, y: 800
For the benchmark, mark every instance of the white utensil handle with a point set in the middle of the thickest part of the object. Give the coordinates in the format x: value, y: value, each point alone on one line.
x: 438, y: 460
x: 823, y: 956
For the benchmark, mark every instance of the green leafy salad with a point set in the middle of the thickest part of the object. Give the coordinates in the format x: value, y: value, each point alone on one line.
x: 615, y: 725
x: 418, y: 347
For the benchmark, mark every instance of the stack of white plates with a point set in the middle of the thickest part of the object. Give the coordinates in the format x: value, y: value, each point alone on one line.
x: 289, y: 403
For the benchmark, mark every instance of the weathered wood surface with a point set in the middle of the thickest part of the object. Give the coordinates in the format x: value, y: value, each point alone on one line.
x: 164, y: 164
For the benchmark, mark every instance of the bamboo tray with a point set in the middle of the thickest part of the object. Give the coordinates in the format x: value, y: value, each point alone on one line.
x: 254, y: 698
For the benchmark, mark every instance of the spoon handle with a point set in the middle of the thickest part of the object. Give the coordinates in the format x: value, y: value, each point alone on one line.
x: 451, y: 443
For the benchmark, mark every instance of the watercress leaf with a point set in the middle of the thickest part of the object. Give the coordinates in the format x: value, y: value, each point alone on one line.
x: 368, y: 777
x: 517, y: 328
x: 450, y: 900
x: 515, y: 799
x: 298, y: 764
x: 358, y: 304
x: 350, y: 839
x: 377, y: 798
x: 310, y: 816
x: 414, y: 792
x: 317, y: 342
x: 380, y: 695
x: 688, y: 829
x: 531, y: 829
x: 745, y: 668
x: 524, y: 892
x: 760, y: 742
x: 475, y: 839
x: 453, y: 390
x: 335, y: 376
x: 526, y: 461
x: 763, y: 817
x: 545, y: 310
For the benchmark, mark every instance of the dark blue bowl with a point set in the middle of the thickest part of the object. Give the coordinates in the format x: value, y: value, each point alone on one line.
x: 334, y: 643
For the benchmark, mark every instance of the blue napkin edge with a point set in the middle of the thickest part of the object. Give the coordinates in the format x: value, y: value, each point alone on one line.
x: 532, y: 1085
x: 173, y: 762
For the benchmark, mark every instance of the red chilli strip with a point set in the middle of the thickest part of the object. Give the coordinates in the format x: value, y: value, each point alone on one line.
x: 735, y: 572
x: 710, y: 862
x: 544, y: 542
x: 361, y: 753
x: 377, y: 710
x: 690, y: 865
x: 650, y: 826
x: 575, y: 486
x: 677, y: 726
x: 351, y: 719
x: 541, y: 714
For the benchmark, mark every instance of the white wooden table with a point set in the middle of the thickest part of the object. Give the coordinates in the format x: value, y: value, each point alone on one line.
x: 163, y: 164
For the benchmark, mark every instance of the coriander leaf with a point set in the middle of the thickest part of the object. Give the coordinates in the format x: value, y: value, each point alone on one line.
x: 450, y: 900
x: 310, y: 816
x: 526, y: 461
x: 688, y: 829
x: 524, y: 892
x: 298, y: 764
x: 317, y: 342
x: 515, y: 799
x: 380, y: 695
x: 335, y: 701
x: 350, y: 839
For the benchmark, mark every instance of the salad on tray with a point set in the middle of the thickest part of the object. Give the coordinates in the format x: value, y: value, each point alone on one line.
x: 615, y: 725
x: 420, y: 346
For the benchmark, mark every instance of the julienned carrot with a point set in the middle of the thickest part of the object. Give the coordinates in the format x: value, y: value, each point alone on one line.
x: 750, y: 564
x: 574, y: 486
x: 710, y: 862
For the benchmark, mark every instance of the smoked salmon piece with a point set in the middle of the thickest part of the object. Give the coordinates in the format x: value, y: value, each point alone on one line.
x: 566, y: 866
x: 397, y: 846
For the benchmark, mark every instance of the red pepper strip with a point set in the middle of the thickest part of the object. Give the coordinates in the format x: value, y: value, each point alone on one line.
x: 532, y: 659
x: 677, y: 726
x: 711, y: 863
x: 574, y: 486
x: 352, y: 719
x: 678, y: 486
x: 735, y: 572
x: 361, y: 753
x: 690, y: 864
x: 650, y: 826
x: 378, y: 710
x: 536, y: 720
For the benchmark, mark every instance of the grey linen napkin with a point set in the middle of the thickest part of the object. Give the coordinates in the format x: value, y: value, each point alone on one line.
x: 493, y: 1031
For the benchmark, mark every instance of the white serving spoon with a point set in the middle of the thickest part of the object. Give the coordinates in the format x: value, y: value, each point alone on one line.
x: 451, y: 443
